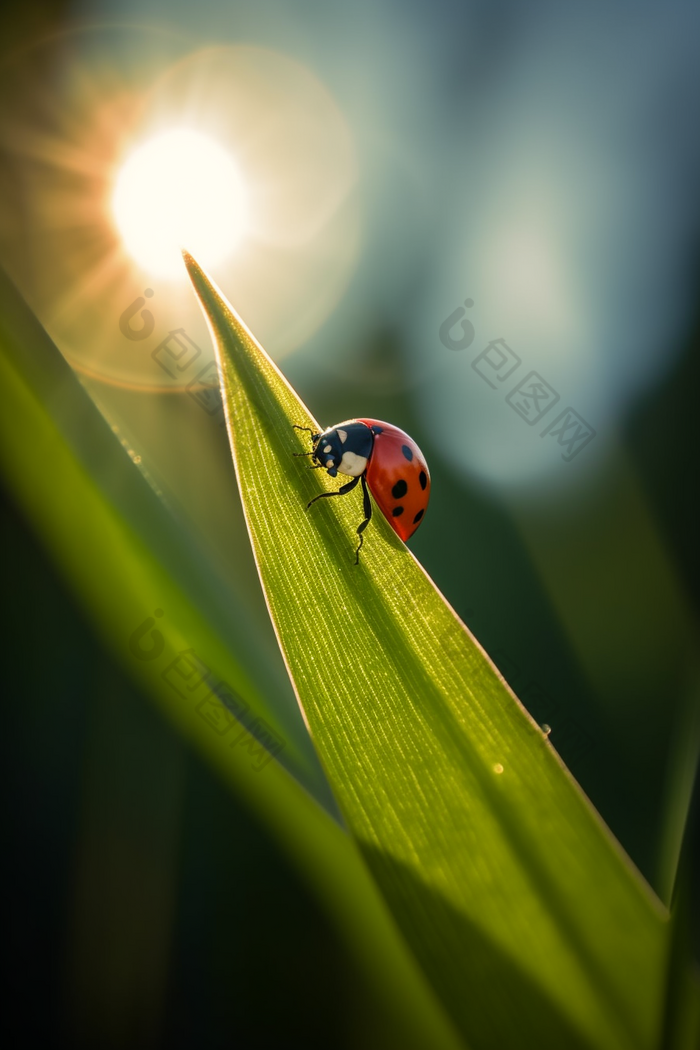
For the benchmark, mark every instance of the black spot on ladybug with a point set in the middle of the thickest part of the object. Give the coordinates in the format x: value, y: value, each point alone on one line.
x: 377, y: 430
x: 407, y: 452
x: 397, y: 512
x: 418, y: 516
x: 400, y: 489
x: 423, y: 479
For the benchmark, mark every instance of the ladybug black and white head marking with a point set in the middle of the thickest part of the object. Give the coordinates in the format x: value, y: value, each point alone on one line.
x: 344, y: 448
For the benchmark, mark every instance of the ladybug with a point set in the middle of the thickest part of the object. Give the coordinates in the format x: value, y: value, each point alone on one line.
x: 387, y: 462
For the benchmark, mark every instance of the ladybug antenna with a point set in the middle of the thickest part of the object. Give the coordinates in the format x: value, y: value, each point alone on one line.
x: 314, y: 435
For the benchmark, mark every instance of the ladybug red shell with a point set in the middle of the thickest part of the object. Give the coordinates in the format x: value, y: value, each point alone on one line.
x: 386, y: 460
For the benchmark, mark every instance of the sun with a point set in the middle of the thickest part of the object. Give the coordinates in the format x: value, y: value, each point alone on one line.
x: 180, y: 189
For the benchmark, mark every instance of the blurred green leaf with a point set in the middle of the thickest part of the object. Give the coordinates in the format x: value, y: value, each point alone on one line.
x: 529, y: 921
x: 125, y: 557
x: 682, y: 1013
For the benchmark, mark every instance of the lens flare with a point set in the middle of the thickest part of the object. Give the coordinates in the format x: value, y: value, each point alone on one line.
x: 129, y: 145
x: 180, y: 189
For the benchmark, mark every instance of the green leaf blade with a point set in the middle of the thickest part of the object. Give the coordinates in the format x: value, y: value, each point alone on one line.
x: 54, y: 462
x: 526, y: 917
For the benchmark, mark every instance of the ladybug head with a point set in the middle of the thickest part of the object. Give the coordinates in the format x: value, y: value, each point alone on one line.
x: 328, y: 450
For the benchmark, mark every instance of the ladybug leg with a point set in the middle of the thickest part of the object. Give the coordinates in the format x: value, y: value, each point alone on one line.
x: 314, y: 466
x: 367, y: 507
x: 341, y: 492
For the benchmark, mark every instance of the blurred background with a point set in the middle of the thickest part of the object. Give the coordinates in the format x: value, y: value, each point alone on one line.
x: 477, y: 221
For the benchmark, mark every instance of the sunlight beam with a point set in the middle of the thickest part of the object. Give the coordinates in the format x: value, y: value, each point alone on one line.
x: 180, y: 189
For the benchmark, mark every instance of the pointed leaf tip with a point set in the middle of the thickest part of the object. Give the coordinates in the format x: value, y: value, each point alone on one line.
x: 498, y: 872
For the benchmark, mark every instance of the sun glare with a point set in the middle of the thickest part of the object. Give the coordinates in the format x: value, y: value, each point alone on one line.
x: 179, y: 190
